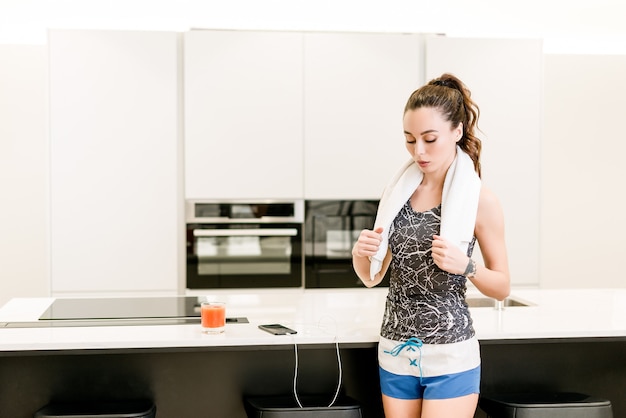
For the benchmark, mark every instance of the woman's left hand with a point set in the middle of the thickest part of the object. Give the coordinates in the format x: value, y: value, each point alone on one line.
x: 447, y: 256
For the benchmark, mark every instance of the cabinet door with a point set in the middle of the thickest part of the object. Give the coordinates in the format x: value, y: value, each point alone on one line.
x: 243, y: 114
x: 356, y: 86
x: 506, y: 80
x: 114, y: 166
x: 23, y: 172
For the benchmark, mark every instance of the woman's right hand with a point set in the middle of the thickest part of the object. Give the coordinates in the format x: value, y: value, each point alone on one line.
x: 368, y: 243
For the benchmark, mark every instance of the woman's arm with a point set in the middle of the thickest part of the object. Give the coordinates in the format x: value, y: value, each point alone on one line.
x: 493, y: 278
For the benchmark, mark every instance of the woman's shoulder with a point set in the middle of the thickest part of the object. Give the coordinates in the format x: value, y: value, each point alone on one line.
x: 487, y: 196
x: 488, y: 205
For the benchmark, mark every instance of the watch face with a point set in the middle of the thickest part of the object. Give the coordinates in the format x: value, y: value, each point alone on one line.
x: 473, y: 272
x: 470, y: 270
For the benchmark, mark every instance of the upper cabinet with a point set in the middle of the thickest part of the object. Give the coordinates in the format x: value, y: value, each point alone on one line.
x: 115, y: 151
x: 243, y: 114
x: 356, y: 86
x: 293, y: 115
x: 505, y: 77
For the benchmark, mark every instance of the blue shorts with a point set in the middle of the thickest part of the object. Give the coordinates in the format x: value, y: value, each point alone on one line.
x: 436, y: 387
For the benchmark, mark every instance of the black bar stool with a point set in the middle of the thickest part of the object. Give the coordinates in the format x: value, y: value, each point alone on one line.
x: 312, y: 407
x: 121, y: 409
x: 545, y: 405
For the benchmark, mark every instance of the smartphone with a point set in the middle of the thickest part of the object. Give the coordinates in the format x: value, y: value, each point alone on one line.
x: 277, y: 329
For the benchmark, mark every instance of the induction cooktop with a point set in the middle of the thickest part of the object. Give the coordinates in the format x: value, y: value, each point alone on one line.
x: 172, y: 310
x: 123, y: 308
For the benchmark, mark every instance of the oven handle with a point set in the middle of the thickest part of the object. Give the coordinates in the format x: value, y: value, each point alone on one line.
x: 266, y: 232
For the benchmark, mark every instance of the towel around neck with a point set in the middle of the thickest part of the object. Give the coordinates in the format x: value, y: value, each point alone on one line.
x: 459, y: 203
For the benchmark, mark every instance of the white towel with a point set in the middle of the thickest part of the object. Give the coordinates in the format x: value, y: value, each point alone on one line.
x: 459, y: 203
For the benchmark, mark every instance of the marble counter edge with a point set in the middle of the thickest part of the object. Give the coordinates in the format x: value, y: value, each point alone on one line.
x: 555, y: 314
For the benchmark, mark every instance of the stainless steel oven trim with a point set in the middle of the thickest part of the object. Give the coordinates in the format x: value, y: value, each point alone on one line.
x: 288, y: 224
x: 190, y: 217
x: 284, y: 232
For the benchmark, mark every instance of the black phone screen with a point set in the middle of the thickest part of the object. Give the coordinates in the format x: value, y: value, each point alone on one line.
x: 277, y: 329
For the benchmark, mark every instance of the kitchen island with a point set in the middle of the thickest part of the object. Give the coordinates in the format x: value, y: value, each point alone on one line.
x: 571, y: 340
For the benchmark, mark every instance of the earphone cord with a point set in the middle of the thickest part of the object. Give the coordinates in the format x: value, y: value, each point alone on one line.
x: 295, y: 374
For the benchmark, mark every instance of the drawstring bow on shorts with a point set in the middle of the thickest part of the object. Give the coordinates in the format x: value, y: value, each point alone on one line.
x: 410, y: 345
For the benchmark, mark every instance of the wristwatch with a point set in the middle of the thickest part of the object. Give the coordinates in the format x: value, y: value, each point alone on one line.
x: 470, y: 270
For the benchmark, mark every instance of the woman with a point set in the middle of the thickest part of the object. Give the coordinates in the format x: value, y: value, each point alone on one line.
x: 429, y: 219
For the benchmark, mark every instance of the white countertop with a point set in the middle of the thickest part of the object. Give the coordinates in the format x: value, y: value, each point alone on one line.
x: 323, y: 316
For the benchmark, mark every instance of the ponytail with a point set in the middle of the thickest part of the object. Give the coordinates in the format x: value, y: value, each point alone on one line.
x: 449, y: 95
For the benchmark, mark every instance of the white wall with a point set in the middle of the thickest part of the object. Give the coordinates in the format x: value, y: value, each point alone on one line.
x: 24, y: 217
x: 565, y: 26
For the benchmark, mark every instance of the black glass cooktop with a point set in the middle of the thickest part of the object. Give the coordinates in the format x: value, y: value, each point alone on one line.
x: 174, y: 310
x: 123, y: 308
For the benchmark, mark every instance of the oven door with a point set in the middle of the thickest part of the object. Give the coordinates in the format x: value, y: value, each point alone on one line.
x: 331, y: 229
x: 244, y: 255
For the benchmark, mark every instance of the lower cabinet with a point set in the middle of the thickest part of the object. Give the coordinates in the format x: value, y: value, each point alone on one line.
x: 193, y: 382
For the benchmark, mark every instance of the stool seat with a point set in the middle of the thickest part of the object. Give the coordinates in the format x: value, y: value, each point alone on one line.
x: 118, y: 409
x: 545, y: 405
x: 312, y: 407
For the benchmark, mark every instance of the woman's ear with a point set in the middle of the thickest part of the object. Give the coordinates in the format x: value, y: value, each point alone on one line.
x: 458, y: 132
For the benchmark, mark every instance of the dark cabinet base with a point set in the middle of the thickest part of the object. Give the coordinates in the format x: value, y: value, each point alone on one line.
x: 214, y: 382
x: 596, y: 367
x: 185, y: 383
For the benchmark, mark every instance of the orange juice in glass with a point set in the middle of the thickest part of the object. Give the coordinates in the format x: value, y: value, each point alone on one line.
x: 213, y: 317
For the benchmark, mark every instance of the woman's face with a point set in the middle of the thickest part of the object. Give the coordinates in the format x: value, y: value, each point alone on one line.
x: 430, y: 139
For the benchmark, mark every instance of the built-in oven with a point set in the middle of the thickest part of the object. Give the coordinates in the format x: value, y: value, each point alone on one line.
x: 331, y: 229
x: 244, y: 244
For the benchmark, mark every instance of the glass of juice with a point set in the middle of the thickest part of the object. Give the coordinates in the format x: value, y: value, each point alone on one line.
x: 213, y: 317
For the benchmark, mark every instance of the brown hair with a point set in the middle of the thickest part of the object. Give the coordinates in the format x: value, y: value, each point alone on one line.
x: 449, y: 95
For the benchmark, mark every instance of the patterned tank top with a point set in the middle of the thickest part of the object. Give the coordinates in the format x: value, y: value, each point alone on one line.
x: 423, y: 300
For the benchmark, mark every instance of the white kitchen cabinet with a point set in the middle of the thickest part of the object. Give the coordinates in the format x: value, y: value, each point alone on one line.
x: 115, y: 162
x: 356, y: 86
x: 243, y: 114
x: 24, y: 265
x: 505, y: 77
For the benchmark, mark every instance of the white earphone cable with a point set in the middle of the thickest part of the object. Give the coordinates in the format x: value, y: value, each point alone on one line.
x: 295, y: 372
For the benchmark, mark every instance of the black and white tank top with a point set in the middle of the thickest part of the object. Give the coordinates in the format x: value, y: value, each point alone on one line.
x: 423, y: 300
